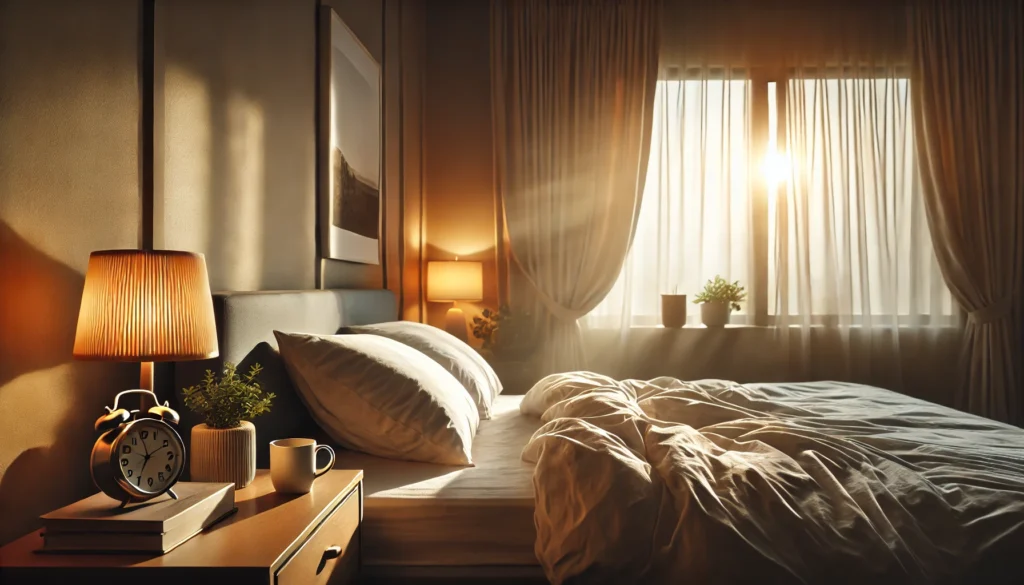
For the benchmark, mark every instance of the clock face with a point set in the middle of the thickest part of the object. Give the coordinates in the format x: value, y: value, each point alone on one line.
x: 149, y: 456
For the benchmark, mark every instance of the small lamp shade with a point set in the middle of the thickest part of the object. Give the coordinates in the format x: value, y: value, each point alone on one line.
x: 146, y: 306
x: 455, y: 281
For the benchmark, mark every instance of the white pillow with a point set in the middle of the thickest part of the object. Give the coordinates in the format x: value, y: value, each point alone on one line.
x: 378, y: 396
x: 454, y: 355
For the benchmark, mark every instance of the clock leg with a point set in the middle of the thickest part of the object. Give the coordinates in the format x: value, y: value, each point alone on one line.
x: 126, y: 501
x: 171, y: 493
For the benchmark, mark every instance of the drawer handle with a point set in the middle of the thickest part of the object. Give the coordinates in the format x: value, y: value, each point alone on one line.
x: 330, y: 553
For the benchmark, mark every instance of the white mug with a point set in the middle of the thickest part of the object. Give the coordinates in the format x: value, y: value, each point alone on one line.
x: 293, y: 464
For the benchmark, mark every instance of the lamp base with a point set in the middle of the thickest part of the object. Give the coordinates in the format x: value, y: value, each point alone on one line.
x: 455, y: 323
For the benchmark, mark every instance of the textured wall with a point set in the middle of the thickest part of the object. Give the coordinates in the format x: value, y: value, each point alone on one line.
x: 235, y: 160
x: 238, y: 139
x: 458, y: 173
x: 237, y: 128
x: 68, y: 185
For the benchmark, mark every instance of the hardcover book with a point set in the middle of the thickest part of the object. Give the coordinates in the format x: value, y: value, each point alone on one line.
x: 98, y: 524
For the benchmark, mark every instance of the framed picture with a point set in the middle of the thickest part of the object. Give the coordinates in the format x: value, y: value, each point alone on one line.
x: 348, y: 145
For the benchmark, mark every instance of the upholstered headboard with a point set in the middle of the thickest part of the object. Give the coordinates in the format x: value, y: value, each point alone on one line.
x: 245, y: 330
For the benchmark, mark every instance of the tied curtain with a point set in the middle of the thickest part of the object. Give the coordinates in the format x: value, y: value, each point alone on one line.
x: 573, y: 86
x: 968, y: 76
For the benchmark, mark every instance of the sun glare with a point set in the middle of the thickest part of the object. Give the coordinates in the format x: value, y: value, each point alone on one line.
x: 775, y: 167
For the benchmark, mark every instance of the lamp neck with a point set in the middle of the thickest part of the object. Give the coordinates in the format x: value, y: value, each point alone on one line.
x: 146, y: 376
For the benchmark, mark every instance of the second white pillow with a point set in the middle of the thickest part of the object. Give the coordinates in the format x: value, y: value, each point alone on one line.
x: 381, y: 397
x: 453, y: 354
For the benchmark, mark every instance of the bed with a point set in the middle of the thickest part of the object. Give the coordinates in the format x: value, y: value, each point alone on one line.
x: 611, y: 481
x: 711, y: 481
x: 418, y: 514
x: 420, y: 520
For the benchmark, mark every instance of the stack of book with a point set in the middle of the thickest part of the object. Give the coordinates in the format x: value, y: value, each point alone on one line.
x: 99, y: 524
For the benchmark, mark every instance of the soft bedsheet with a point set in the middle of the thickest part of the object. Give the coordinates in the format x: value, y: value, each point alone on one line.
x: 665, y: 481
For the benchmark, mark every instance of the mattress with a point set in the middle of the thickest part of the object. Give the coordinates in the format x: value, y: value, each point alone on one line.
x: 421, y: 514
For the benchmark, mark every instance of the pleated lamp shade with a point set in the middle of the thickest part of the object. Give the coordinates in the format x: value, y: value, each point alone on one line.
x: 146, y: 306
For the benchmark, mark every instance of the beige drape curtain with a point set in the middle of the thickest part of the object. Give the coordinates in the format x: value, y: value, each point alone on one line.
x: 968, y: 97
x: 573, y: 86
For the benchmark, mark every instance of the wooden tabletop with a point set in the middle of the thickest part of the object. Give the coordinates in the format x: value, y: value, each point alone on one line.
x: 265, y: 528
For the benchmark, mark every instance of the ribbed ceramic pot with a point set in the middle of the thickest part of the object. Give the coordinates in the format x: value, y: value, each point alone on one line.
x: 715, y: 314
x: 673, y: 310
x: 223, y: 455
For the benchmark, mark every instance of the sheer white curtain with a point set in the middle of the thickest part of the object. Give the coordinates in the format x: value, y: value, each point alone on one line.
x: 854, y: 284
x: 848, y: 229
x: 851, y: 285
x: 695, y: 217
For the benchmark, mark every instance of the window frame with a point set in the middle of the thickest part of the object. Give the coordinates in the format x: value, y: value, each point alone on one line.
x: 759, y: 78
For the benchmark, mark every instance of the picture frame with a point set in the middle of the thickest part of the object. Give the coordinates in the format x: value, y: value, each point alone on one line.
x: 349, y: 153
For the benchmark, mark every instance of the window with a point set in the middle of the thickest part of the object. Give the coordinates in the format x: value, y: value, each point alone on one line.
x: 805, y: 189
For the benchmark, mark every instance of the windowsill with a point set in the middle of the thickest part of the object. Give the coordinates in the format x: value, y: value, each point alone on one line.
x: 688, y: 326
x: 761, y: 327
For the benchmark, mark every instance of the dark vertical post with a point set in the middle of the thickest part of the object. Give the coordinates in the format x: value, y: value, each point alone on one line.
x: 146, y: 120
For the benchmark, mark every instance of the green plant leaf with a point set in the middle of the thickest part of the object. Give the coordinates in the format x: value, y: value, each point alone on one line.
x: 225, y: 403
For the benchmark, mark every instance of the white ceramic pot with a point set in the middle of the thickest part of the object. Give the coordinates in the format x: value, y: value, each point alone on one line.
x: 673, y: 310
x: 223, y: 455
x: 715, y: 314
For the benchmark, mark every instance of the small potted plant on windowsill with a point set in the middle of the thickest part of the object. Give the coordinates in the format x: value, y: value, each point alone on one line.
x: 224, y: 447
x: 718, y: 299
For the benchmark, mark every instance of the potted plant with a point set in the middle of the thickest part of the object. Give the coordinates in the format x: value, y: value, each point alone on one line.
x: 224, y: 447
x: 718, y: 299
x: 504, y: 333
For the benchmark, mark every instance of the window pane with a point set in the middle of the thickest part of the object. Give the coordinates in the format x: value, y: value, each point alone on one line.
x: 850, y: 237
x: 695, y: 217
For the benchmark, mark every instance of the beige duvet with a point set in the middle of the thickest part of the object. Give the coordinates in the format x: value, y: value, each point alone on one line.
x: 664, y: 481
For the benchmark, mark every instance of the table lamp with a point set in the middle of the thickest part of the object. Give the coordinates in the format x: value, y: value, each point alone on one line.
x: 451, y: 282
x: 146, y: 306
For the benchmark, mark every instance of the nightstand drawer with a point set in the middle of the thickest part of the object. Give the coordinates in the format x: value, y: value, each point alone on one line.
x: 331, y: 553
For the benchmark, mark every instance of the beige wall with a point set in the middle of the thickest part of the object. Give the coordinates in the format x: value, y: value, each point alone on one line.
x: 404, y: 55
x: 459, y: 183
x: 238, y: 139
x: 68, y: 185
x: 235, y: 160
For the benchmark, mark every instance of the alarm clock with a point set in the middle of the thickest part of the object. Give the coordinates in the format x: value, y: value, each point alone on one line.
x: 138, y: 456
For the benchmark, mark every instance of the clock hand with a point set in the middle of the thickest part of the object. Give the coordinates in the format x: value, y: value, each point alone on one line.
x: 144, y: 462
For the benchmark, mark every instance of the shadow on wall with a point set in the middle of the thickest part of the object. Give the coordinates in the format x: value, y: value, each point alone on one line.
x: 44, y: 458
x: 239, y: 140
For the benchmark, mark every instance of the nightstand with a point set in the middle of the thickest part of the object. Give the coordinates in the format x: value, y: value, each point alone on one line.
x: 273, y: 539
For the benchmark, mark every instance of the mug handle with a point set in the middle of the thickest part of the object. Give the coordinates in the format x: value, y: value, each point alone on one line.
x: 330, y: 463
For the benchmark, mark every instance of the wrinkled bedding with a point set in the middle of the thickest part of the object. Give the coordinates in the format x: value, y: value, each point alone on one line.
x: 665, y: 481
